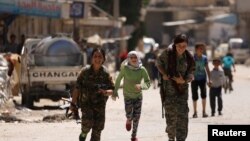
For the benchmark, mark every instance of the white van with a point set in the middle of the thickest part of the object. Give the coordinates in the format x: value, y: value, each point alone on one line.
x: 145, y: 46
x: 221, y: 50
x: 239, y: 49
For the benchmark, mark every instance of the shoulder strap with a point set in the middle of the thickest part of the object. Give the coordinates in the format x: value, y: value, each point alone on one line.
x: 190, y: 62
x: 171, y: 66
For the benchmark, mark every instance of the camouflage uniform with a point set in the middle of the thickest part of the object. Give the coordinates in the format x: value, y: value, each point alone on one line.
x: 91, y: 102
x: 175, y: 103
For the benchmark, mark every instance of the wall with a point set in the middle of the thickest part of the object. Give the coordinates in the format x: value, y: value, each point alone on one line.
x: 190, y: 2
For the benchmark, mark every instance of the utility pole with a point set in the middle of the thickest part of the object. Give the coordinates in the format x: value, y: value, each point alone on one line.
x: 116, y: 14
x: 77, y: 12
x: 116, y: 9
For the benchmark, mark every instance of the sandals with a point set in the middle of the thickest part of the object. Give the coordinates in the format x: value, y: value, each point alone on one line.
x: 204, y: 115
x: 195, y: 115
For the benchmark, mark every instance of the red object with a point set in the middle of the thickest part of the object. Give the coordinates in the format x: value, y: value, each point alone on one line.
x: 128, y: 125
x: 134, y: 139
x: 123, y: 55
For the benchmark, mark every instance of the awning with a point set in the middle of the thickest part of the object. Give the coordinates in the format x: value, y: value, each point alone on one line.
x: 226, y: 19
x: 97, y: 40
x: 230, y: 19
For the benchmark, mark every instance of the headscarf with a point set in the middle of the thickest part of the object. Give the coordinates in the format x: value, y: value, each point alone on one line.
x: 128, y: 60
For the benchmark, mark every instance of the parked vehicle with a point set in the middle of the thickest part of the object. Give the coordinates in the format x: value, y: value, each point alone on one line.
x: 240, y: 49
x: 221, y: 50
x: 148, y: 42
x: 145, y: 46
x: 49, y: 67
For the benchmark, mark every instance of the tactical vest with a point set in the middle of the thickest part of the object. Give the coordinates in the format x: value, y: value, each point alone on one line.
x: 89, y: 83
x: 172, y: 66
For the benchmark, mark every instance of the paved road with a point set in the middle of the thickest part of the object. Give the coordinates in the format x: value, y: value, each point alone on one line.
x: 151, y: 127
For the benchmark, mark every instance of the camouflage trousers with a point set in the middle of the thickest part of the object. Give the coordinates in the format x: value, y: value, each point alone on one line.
x: 93, y: 117
x: 133, y: 112
x: 176, y: 118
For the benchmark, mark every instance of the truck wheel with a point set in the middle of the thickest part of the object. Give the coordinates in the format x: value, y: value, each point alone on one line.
x: 30, y: 102
x: 24, y: 92
x: 27, y: 100
x: 23, y: 101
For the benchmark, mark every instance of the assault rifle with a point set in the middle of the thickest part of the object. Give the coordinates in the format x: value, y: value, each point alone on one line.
x: 103, y: 86
x: 96, y: 87
x: 162, y: 94
x: 74, y: 113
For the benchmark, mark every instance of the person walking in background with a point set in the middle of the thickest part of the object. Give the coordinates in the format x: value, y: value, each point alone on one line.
x: 14, y: 71
x: 150, y: 65
x: 20, y: 45
x: 1, y: 44
x: 217, y: 81
x: 122, y: 56
x: 227, y: 64
x: 11, y: 45
x: 200, y: 78
x: 93, y: 87
x: 176, y: 66
x: 132, y: 73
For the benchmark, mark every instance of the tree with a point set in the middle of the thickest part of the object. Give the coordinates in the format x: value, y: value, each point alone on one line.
x: 136, y: 36
x: 131, y: 10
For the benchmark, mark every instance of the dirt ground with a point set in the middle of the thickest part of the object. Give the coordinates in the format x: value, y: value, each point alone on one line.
x: 47, y: 122
x: 44, y: 111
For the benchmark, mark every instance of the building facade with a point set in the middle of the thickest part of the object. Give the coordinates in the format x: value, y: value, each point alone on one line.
x: 188, y: 16
x: 37, y: 18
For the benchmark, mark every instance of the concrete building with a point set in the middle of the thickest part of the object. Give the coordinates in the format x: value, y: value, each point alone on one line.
x: 194, y: 17
x: 45, y: 17
x: 241, y: 7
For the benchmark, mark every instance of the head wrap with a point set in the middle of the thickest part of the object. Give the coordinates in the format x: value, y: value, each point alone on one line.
x: 128, y: 61
x: 180, y: 38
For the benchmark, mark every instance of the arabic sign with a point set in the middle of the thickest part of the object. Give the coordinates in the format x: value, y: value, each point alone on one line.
x: 39, y: 8
x: 31, y: 7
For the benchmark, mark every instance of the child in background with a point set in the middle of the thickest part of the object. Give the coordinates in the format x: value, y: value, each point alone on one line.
x: 217, y: 81
x: 201, y: 74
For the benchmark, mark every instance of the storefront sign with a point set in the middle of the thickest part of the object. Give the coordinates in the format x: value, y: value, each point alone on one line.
x: 77, y: 10
x: 39, y: 8
x: 31, y: 8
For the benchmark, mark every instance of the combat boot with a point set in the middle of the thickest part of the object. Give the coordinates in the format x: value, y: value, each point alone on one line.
x: 81, y: 138
x: 128, y: 125
x: 134, y: 139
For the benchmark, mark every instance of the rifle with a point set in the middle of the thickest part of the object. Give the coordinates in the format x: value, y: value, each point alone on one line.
x: 103, y: 86
x: 162, y: 93
x: 75, y: 112
x: 97, y: 86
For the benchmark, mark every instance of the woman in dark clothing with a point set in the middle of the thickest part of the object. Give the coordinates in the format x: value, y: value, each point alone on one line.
x: 93, y: 87
x: 176, y: 66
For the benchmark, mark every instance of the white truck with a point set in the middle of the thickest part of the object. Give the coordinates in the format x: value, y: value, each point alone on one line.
x: 49, y: 68
x: 240, y: 49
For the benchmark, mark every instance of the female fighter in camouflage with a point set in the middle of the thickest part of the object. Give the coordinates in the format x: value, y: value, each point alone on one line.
x: 132, y: 72
x: 176, y: 65
x: 93, y: 87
